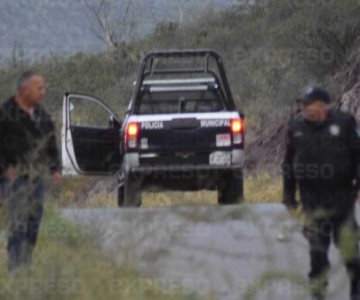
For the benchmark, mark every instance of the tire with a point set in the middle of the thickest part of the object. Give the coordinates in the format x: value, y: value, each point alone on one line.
x: 231, y: 189
x: 129, y: 194
x: 121, y: 196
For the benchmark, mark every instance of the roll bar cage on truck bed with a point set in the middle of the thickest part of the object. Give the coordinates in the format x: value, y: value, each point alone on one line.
x: 148, y: 69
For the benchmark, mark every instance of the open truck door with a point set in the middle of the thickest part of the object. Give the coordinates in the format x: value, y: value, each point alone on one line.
x: 90, y: 137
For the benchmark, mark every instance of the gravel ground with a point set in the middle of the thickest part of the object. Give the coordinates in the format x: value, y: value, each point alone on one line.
x: 222, y: 251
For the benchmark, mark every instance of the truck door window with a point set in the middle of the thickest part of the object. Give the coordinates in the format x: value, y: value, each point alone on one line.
x: 84, y: 113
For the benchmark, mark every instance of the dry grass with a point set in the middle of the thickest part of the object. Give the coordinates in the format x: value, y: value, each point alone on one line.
x: 262, y: 188
x: 179, y: 198
x: 162, y: 199
x: 71, y: 187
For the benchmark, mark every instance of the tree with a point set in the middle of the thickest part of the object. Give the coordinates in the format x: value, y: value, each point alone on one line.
x: 113, y: 22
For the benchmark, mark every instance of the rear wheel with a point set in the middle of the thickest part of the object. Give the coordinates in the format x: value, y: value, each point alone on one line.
x: 129, y: 194
x: 121, y: 196
x: 231, y: 189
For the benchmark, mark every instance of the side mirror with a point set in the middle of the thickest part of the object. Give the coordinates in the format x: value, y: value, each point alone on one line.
x: 114, y: 123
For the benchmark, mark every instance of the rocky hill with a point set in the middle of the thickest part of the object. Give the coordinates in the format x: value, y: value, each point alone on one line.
x: 266, y: 149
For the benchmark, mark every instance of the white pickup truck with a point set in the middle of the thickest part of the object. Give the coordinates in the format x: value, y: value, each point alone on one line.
x: 181, y: 132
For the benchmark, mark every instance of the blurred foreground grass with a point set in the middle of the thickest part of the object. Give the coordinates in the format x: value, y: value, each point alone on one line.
x: 67, y: 266
x: 261, y: 188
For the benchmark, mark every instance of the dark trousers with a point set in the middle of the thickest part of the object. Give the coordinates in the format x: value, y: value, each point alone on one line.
x: 24, y: 205
x: 320, y: 231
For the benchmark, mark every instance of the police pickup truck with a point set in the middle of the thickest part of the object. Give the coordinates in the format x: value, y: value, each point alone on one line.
x: 181, y: 131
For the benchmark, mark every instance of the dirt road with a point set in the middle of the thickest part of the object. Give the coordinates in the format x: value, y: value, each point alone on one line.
x: 223, y: 251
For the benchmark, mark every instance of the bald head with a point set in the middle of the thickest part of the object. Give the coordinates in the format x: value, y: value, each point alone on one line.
x: 31, y: 88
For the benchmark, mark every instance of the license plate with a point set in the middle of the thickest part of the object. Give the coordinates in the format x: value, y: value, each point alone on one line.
x: 223, y: 140
x: 220, y: 159
x: 144, y: 144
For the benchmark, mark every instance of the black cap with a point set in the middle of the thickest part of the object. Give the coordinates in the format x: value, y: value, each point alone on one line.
x: 316, y: 94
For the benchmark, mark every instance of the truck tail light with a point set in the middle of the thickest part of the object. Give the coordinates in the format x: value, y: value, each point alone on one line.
x: 132, y: 134
x: 237, y: 130
x: 236, y: 126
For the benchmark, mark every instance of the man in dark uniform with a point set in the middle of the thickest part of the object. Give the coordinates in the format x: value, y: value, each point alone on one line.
x: 322, y: 160
x: 27, y: 153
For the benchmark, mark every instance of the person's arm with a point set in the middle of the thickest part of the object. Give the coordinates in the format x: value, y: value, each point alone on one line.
x: 289, y: 181
x: 53, y: 154
x: 7, y: 156
x: 2, y: 155
x: 354, y: 143
x: 52, y: 150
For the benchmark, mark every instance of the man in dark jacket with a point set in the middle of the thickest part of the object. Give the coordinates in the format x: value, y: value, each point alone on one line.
x: 323, y: 159
x: 28, y: 152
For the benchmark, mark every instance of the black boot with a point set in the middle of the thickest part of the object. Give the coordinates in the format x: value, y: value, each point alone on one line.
x: 318, y: 296
x: 318, y: 288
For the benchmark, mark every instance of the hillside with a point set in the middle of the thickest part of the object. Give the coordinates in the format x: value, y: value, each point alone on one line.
x: 41, y: 27
x: 267, y: 52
